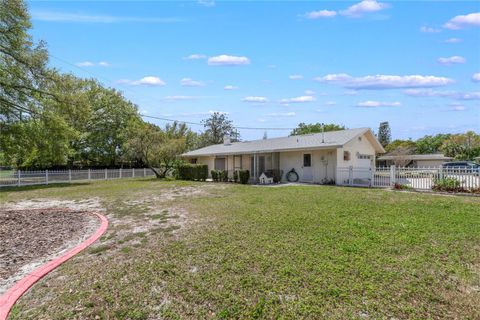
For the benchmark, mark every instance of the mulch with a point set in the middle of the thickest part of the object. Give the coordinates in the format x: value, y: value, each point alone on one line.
x: 28, y: 236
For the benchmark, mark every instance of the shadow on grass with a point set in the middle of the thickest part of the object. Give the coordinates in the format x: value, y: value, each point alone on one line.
x: 40, y: 187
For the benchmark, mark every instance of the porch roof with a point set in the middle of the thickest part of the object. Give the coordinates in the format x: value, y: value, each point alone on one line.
x: 328, y: 140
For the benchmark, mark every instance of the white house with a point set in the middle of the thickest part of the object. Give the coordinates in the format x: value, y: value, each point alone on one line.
x: 314, y: 157
x: 413, y: 160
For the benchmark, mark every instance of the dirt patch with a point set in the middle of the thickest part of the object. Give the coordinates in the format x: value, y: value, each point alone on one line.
x: 32, y: 237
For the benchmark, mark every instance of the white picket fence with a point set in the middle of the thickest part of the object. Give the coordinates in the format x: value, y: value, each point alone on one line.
x: 39, y: 177
x: 416, y: 178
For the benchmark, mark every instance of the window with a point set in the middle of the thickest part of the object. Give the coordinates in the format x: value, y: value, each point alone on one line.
x: 237, y: 162
x: 346, y: 155
x: 219, y: 163
x: 193, y: 160
x: 364, y: 156
x: 307, y: 160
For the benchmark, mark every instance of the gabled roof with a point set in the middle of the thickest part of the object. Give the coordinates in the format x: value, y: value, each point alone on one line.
x: 327, y: 140
x: 431, y: 156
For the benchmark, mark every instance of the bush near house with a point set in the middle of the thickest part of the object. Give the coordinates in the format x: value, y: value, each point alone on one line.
x: 243, y: 176
x: 192, y: 172
x: 219, y: 175
x: 448, y: 184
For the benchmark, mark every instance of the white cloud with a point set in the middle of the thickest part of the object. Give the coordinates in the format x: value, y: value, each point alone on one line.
x: 145, y: 81
x: 85, y: 64
x: 457, y: 107
x: 189, y: 82
x: 330, y: 103
x: 366, y: 6
x: 422, y: 93
x: 179, y: 98
x: 476, y: 77
x: 255, y: 99
x: 282, y: 114
x: 426, y: 29
x: 463, y: 21
x: 230, y: 87
x: 207, y: 3
x: 195, y: 56
x: 320, y: 14
x: 350, y: 93
x: 375, y: 104
x: 451, y: 60
x: 301, y: 99
x: 309, y: 92
x: 226, y: 60
x: 453, y: 40
x: 295, y: 77
x: 379, y: 81
x: 56, y: 16
x: 104, y: 64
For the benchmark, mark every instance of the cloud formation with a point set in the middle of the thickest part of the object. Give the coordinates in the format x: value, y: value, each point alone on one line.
x: 230, y: 87
x: 451, y: 60
x: 145, y: 81
x: 282, y: 114
x: 189, y: 82
x: 255, y: 99
x: 426, y: 29
x: 195, y: 56
x: 453, y: 40
x: 463, y: 21
x: 92, y: 64
x: 366, y: 6
x: 379, y: 81
x: 301, y: 99
x: 476, y: 77
x: 320, y: 14
x: 375, y: 104
x: 227, y: 60
x: 179, y: 98
x: 295, y: 77
x: 422, y: 93
x: 56, y: 16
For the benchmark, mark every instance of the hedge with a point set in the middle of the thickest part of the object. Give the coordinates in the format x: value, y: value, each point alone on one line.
x: 192, y: 172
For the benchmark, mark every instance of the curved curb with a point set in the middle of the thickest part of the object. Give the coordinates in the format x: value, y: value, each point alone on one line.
x: 8, y: 299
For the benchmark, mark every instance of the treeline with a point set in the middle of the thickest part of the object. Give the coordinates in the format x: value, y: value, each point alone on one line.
x: 49, y: 119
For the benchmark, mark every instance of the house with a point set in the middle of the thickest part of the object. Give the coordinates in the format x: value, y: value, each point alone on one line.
x: 413, y: 160
x: 315, y: 157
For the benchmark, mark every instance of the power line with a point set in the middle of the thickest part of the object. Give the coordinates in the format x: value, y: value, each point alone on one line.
x: 201, y: 124
x: 155, y: 117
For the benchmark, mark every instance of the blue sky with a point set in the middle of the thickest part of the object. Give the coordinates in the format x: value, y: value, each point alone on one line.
x: 275, y: 64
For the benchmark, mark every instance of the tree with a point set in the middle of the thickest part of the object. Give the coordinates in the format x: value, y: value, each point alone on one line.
x: 405, y: 145
x: 384, y: 134
x: 462, y: 146
x: 216, y: 128
x: 178, y: 130
x: 154, y: 147
x: 303, y: 128
x: 430, y: 144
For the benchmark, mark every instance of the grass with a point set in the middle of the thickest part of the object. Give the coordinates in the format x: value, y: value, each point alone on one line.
x: 258, y: 252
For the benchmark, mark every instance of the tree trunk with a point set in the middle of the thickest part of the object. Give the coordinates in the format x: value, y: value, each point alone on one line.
x: 157, y: 174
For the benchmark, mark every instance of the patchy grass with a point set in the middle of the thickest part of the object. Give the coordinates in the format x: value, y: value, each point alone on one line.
x: 253, y: 252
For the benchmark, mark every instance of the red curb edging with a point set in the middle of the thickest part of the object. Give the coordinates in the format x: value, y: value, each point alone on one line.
x: 8, y: 299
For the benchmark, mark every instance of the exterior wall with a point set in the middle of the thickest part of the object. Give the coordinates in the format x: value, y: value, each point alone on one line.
x: 209, y: 161
x: 355, y: 147
x: 428, y: 163
x: 323, y: 164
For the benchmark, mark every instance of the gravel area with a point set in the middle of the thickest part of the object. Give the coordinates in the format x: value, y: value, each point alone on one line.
x: 30, y: 238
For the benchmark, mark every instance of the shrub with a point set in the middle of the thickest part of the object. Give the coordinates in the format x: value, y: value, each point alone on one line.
x: 214, y: 174
x: 219, y: 175
x: 188, y: 171
x: 243, y: 176
x: 448, y: 184
x: 235, y: 176
x: 399, y: 186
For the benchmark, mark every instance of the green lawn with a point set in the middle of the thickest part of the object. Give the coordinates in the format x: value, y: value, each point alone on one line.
x: 234, y: 251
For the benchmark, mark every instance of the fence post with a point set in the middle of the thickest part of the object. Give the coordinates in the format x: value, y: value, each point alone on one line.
x: 46, y: 176
x: 392, y: 175
x: 133, y: 173
x: 106, y: 174
x: 440, y: 173
x: 89, y: 175
x: 350, y: 175
x: 372, y: 177
x: 144, y: 172
x: 70, y: 175
x: 19, y: 177
x: 120, y: 174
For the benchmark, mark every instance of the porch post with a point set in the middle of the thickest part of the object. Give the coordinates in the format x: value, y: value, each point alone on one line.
x: 255, y: 167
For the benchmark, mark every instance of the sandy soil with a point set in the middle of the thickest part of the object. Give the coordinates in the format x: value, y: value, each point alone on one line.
x: 32, y: 237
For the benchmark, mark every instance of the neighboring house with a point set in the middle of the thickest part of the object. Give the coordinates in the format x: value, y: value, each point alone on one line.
x: 413, y: 160
x: 315, y: 157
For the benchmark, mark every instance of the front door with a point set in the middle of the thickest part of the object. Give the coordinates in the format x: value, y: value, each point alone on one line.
x: 307, y: 171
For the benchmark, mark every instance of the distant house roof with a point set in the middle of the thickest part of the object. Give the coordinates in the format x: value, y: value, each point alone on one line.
x: 328, y: 140
x: 431, y: 156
